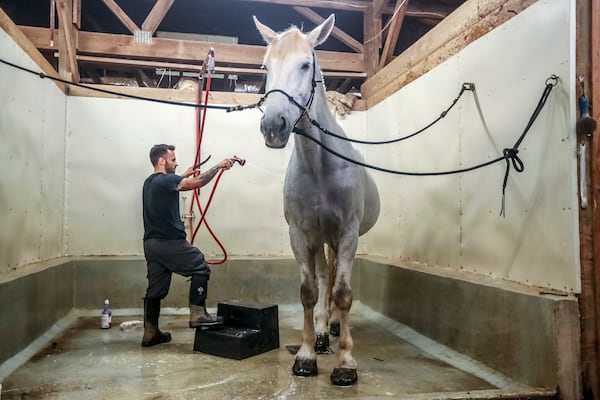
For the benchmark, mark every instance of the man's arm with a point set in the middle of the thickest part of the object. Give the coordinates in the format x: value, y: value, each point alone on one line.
x: 190, y: 182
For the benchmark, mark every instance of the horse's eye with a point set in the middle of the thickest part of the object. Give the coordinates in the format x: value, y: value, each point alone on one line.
x: 305, y: 66
x: 264, y: 67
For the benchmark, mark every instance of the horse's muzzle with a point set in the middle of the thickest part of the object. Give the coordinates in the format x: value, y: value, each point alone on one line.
x: 276, y: 131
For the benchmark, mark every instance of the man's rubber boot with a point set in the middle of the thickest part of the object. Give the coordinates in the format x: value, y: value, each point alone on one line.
x: 200, y: 318
x: 153, y: 335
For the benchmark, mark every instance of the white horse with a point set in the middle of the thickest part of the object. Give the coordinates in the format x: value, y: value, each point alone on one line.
x: 327, y: 200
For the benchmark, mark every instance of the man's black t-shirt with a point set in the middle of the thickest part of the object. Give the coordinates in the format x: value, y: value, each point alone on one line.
x: 160, y: 200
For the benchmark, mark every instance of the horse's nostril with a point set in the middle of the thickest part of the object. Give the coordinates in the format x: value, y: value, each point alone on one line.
x: 283, y: 124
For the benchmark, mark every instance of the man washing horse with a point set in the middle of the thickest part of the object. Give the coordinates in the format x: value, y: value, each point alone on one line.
x: 166, y: 248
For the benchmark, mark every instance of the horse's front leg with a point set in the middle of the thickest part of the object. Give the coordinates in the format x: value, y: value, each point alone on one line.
x: 322, y: 306
x: 305, y: 363
x: 345, y: 373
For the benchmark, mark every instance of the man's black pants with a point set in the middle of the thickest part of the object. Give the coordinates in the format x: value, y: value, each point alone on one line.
x: 164, y: 257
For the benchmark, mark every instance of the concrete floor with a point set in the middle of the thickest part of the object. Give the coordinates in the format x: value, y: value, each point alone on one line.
x: 85, y: 362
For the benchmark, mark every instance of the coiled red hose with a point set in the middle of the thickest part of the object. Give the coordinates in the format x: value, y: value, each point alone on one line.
x: 195, y: 198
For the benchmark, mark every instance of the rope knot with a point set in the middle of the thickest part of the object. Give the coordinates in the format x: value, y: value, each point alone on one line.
x: 510, y: 154
x: 511, y: 157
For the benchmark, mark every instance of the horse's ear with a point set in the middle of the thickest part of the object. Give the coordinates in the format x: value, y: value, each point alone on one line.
x: 321, y: 32
x: 267, y: 33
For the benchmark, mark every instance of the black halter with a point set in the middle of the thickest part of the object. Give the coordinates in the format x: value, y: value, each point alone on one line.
x: 303, y: 108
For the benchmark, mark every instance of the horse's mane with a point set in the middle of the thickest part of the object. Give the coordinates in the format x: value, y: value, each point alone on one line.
x: 290, y: 40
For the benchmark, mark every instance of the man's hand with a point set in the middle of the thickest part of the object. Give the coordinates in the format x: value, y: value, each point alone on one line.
x: 204, y: 178
x: 226, y: 163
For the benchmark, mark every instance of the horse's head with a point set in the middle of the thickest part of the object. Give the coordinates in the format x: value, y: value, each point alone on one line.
x: 291, y: 78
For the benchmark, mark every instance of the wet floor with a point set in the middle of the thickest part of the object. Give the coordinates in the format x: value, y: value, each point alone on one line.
x: 85, y: 362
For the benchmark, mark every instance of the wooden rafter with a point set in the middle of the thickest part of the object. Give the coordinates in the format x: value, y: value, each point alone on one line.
x: 440, y: 43
x: 8, y: 26
x: 379, y: 6
x: 156, y: 15
x: 393, y: 33
x: 337, y: 32
x: 121, y: 15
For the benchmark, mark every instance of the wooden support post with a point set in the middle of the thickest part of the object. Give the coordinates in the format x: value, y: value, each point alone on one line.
x: 67, y: 46
x: 77, y: 14
x: 393, y: 33
x: 372, y: 34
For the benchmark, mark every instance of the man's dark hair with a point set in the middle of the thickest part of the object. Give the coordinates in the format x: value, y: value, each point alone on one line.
x: 159, y: 150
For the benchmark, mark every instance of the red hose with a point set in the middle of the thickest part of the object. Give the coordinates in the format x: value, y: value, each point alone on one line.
x: 195, y: 197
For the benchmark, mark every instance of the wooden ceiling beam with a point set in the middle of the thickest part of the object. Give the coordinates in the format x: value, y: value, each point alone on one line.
x: 121, y: 15
x: 156, y: 15
x: 346, y: 5
x: 393, y: 33
x: 436, y: 12
x: 336, y: 32
x: 187, y: 51
x: 121, y: 63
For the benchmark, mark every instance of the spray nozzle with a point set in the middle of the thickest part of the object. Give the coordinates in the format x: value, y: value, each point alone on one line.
x: 238, y: 160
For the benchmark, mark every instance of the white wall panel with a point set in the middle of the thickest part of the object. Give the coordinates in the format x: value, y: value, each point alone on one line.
x: 32, y: 121
x: 108, y: 144
x: 454, y: 221
x: 450, y: 222
x: 108, y: 162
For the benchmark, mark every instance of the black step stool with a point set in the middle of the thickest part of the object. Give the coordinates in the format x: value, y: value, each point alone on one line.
x: 249, y: 329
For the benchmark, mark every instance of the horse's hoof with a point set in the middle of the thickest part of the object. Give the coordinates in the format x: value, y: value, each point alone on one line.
x: 344, y: 376
x: 305, y: 368
x: 322, y: 344
x: 334, y: 328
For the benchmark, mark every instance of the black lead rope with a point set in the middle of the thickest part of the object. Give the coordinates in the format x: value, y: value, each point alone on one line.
x: 465, y: 87
x: 130, y: 96
x: 510, y: 155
